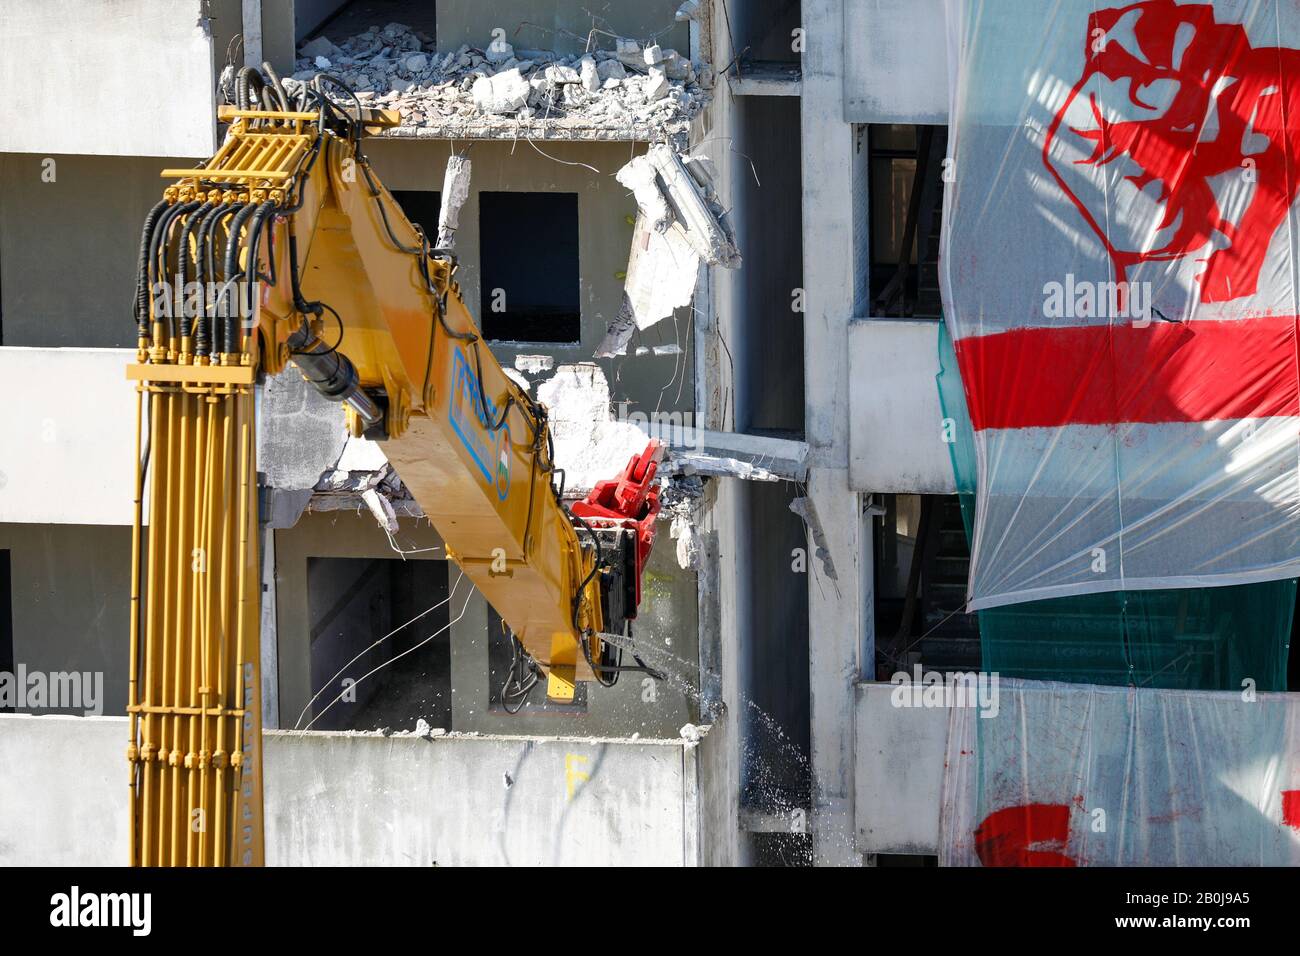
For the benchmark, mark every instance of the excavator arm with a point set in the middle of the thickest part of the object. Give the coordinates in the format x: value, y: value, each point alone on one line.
x: 286, y: 248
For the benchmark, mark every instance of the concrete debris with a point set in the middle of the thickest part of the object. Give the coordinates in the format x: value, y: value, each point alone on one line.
x: 803, y: 507
x: 679, y: 224
x: 628, y: 93
x: 534, y: 364
x: 362, y: 475
x: 455, y: 190
x: 519, y: 379
x: 422, y: 729
x: 381, y: 509
x: 691, y: 734
x: 678, y: 500
x: 589, y: 444
x: 504, y: 92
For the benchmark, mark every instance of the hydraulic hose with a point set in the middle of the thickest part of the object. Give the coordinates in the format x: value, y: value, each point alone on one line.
x: 182, y: 260
x: 254, y: 249
x: 202, y: 275
x: 142, y: 272
x: 231, y: 275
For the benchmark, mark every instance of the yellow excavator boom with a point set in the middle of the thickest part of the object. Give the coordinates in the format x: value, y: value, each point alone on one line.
x: 285, y: 247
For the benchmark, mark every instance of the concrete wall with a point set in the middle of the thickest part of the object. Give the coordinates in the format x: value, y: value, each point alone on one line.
x: 895, y: 62
x: 898, y: 773
x: 108, y: 78
x: 560, y: 25
x: 667, y: 623
x: 650, y: 382
x: 896, y: 423
x: 69, y: 248
x: 66, y: 447
x: 367, y: 800
x: 71, y: 590
x: 336, y: 534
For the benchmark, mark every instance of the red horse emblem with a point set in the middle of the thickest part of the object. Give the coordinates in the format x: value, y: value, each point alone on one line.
x: 1206, y: 140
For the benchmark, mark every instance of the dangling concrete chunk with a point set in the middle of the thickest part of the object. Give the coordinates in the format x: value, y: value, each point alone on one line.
x: 679, y: 224
x: 455, y: 190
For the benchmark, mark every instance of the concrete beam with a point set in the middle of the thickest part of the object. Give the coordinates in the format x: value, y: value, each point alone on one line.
x: 765, y: 79
x: 770, y: 457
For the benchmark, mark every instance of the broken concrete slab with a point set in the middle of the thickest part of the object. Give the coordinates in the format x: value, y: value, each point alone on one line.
x: 679, y: 225
x: 700, y: 451
x: 590, y: 445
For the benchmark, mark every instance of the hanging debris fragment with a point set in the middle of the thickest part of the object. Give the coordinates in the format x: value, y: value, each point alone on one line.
x: 455, y: 190
x: 679, y: 225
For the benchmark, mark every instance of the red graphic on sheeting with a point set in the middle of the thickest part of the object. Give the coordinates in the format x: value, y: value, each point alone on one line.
x: 1198, y: 371
x: 1291, y: 808
x: 1034, y: 834
x: 1234, y: 108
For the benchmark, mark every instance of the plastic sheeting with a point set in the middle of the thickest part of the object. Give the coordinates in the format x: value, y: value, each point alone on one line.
x: 1193, y: 638
x: 1103, y: 776
x: 1120, y: 278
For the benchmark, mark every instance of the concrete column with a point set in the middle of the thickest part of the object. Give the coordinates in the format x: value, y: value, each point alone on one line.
x: 835, y: 606
x: 270, y: 638
x: 252, y: 33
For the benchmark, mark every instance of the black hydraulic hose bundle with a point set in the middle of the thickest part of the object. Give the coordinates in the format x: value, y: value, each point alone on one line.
x: 254, y: 242
x: 142, y: 290
x: 158, y: 245
x: 202, y: 274
x: 230, y: 278
x: 182, y: 260
x: 247, y: 82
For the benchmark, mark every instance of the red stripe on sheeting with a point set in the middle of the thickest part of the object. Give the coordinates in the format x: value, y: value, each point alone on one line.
x: 1196, y: 371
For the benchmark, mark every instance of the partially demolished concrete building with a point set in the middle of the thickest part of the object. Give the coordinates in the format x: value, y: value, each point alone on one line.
x: 713, y: 223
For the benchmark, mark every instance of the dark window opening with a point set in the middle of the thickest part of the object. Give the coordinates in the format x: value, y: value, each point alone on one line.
x: 906, y: 211
x: 528, y: 253
x: 354, y: 606
x: 421, y: 207
x: 499, y: 646
x: 6, y: 620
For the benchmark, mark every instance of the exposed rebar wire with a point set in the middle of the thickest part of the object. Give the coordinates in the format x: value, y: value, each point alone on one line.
x: 417, y: 617
x: 393, y: 660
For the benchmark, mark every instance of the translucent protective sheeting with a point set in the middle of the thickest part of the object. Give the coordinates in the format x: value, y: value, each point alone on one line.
x: 1119, y: 274
x: 1065, y: 775
x: 1194, y: 638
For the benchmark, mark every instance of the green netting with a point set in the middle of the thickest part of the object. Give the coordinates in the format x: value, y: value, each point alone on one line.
x: 1204, y: 638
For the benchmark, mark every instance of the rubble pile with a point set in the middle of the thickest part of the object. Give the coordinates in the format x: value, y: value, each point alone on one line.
x: 630, y: 92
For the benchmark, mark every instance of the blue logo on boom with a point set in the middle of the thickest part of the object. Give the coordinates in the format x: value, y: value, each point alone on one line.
x: 489, y: 450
